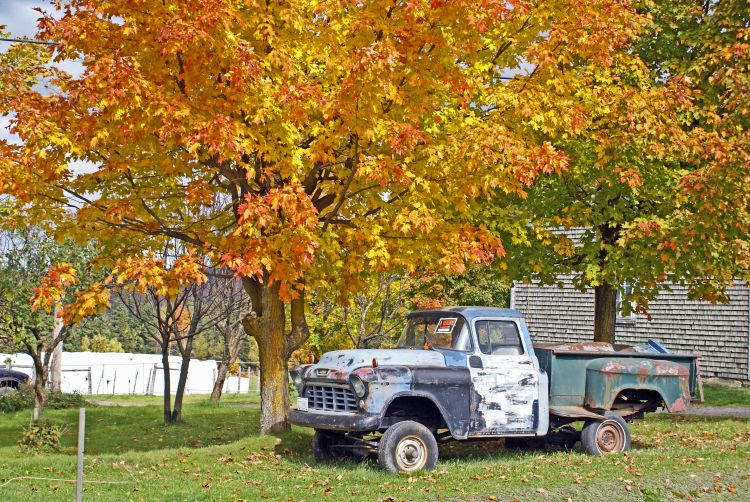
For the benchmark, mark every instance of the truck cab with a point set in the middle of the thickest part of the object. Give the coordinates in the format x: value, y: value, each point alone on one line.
x: 462, y: 373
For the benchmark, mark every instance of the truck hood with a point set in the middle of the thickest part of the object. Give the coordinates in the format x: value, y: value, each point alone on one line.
x: 350, y: 360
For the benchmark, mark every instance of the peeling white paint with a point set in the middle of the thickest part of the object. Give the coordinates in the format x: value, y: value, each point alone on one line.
x: 507, y: 387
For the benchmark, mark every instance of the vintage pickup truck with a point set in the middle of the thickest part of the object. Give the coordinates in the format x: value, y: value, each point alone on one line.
x: 464, y: 373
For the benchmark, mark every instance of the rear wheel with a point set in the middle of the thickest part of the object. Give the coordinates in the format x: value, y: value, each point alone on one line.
x: 407, y: 446
x: 610, y: 435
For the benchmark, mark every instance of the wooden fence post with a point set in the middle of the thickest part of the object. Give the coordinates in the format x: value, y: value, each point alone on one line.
x: 239, y: 377
x: 79, y: 465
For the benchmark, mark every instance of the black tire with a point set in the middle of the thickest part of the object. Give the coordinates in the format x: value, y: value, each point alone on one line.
x: 407, y: 447
x: 609, y: 435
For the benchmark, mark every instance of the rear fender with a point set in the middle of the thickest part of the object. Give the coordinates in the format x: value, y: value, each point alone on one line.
x: 607, y: 377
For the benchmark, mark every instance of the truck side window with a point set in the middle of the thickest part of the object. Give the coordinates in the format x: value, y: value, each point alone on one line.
x: 499, y: 338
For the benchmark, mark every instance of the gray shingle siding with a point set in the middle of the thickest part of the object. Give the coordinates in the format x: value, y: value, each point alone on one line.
x: 717, y: 332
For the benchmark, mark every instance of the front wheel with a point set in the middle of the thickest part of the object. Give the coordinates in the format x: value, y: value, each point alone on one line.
x: 407, y: 446
x: 610, y: 435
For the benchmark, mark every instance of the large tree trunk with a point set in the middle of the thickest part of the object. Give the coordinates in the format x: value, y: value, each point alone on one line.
x: 266, y: 323
x: 605, y: 313
x: 182, y: 382
x: 167, y: 383
x: 605, y: 294
x: 274, y: 380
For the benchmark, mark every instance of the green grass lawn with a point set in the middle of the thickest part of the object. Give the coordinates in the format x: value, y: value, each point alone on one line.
x: 720, y: 395
x: 216, y: 454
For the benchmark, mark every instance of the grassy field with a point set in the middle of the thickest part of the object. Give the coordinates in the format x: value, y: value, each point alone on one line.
x: 216, y: 454
x: 719, y: 395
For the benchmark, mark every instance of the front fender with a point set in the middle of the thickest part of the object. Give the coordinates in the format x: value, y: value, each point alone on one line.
x: 448, y: 388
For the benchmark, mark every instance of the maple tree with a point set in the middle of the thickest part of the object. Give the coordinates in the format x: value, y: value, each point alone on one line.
x: 300, y: 143
x: 657, y: 192
x: 705, y: 46
x: 39, y: 280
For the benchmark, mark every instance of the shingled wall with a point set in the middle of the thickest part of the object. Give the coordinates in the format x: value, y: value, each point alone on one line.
x: 719, y: 333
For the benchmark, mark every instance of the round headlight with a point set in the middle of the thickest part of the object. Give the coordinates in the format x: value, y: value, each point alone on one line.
x: 297, y: 378
x: 359, y: 386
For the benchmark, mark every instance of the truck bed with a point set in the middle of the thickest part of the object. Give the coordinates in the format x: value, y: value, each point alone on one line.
x: 588, y: 378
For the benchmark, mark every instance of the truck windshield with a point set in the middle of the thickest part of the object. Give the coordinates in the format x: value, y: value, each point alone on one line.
x: 437, y: 331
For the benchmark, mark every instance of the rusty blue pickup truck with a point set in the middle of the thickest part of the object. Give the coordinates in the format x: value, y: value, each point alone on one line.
x: 464, y: 373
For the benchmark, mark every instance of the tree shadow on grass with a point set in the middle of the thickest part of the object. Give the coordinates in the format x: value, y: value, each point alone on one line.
x: 297, y: 447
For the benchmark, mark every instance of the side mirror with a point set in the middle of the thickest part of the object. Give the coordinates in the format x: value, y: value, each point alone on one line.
x: 475, y: 362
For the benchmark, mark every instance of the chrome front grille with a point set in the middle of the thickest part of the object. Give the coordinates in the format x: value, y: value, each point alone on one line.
x: 330, y: 398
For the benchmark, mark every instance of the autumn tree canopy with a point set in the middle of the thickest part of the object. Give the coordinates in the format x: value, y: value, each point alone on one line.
x: 657, y: 192
x: 300, y: 143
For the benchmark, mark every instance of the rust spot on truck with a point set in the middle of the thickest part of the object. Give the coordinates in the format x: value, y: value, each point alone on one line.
x: 643, y: 367
x: 679, y: 405
x: 578, y: 347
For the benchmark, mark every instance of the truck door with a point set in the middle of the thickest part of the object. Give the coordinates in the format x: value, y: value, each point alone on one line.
x: 506, y: 386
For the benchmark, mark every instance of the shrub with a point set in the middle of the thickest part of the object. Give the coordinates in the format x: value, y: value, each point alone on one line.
x: 42, y: 436
x: 100, y: 343
x: 20, y: 399
x: 23, y: 399
x: 62, y: 400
